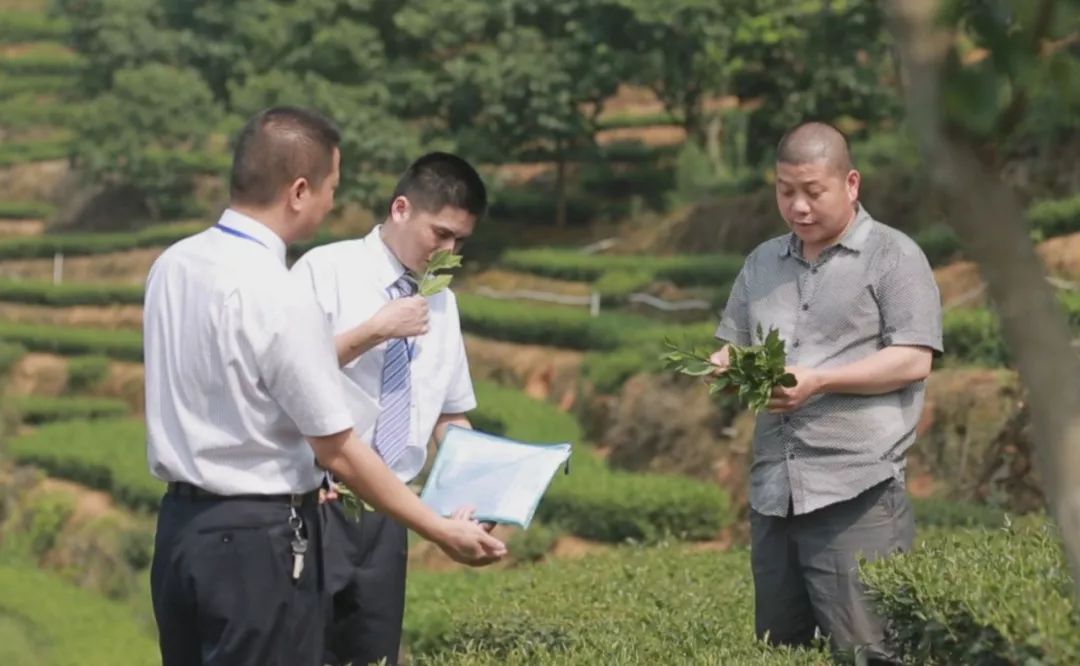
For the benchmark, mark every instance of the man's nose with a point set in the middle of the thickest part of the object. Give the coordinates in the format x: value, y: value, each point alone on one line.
x: 800, y: 205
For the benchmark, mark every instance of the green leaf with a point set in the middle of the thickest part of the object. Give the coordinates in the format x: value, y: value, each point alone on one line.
x: 696, y: 368
x: 443, y: 260
x: 787, y: 380
x: 434, y: 284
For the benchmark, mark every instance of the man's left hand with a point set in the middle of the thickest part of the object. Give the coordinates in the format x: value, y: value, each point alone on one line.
x: 784, y: 400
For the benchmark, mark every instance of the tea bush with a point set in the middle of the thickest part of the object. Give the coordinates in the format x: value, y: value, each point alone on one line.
x: 86, y: 371
x: 596, y: 502
x: 980, y: 596
x: 17, y: 210
x: 36, y: 410
x: 949, y: 513
x: 685, y: 270
x: 70, y: 626
x: 59, y: 295
x: 631, y: 606
x: 27, y: 26
x: 534, y: 323
x: 1055, y: 217
x: 973, y: 335
x: 38, y: 150
x: 10, y: 353
x: 70, y: 340
x: 30, y: 247
x: 108, y: 454
x: 42, y: 58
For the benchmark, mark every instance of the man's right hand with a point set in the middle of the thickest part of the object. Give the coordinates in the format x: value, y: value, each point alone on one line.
x: 721, y: 359
x: 405, y: 317
x: 467, y: 542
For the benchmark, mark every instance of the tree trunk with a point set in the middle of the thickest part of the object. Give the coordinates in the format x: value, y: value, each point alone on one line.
x: 989, y: 220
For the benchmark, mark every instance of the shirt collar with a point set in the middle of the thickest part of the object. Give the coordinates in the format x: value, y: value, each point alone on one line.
x: 853, y: 239
x: 250, y: 226
x: 388, y: 268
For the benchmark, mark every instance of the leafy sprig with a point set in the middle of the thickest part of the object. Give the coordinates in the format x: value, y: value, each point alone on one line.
x: 753, y: 371
x: 431, y: 282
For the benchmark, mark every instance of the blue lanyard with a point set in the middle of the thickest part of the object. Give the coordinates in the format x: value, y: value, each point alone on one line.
x: 238, y: 234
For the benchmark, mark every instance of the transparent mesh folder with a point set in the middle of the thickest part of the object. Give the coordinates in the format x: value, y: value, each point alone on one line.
x: 502, y: 478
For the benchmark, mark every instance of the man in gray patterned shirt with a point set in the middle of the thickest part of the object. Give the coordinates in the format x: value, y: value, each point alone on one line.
x: 858, y: 307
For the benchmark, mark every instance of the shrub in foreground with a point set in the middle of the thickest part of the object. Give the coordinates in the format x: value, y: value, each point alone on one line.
x: 981, y: 596
x: 629, y: 606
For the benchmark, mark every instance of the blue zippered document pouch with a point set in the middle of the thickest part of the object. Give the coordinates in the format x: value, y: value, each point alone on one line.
x: 502, y: 478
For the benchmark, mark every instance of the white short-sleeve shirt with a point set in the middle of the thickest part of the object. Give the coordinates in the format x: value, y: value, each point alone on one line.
x: 240, y: 365
x: 350, y: 281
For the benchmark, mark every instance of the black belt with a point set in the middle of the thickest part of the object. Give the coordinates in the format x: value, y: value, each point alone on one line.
x: 188, y: 491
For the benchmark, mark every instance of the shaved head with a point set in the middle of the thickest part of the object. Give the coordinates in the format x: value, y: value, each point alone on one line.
x: 813, y: 142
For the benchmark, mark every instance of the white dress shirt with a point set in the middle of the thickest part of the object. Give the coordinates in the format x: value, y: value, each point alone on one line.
x: 240, y: 365
x: 350, y: 281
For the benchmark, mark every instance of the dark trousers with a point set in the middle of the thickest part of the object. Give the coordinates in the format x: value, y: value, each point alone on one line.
x: 367, y: 560
x: 222, y: 586
x: 806, y: 569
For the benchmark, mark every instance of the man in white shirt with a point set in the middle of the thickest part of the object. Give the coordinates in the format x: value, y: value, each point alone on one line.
x: 244, y: 404
x: 406, y: 377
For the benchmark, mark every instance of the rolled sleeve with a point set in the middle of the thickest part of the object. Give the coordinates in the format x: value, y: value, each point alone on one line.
x: 910, y: 304
x: 735, y: 323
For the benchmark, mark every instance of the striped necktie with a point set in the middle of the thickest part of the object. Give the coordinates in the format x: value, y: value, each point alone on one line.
x: 392, y: 427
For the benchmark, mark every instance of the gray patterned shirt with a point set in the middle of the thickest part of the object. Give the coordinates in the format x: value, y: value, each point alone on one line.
x: 872, y: 290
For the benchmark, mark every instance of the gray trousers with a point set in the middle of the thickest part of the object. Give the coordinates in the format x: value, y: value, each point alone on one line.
x: 806, y: 569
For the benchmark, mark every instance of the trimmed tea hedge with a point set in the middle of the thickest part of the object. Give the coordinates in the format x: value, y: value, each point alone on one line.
x: 596, y: 502
x: 108, y: 454
x: 42, y: 58
x: 29, y: 26
x: 602, y: 504
x: 554, y: 325
x: 686, y: 270
x: 85, y: 371
x: 948, y: 513
x: 939, y: 243
x: 630, y: 606
x: 69, y: 340
x: 19, y: 152
x: 46, y: 293
x: 973, y: 335
x: 641, y: 350
x: 31, y: 247
x: 17, y: 210
x: 10, y: 353
x: 981, y: 596
x: 11, y: 86
x: 621, y: 120
x: 1055, y: 218
x: 36, y: 410
x: 70, y: 626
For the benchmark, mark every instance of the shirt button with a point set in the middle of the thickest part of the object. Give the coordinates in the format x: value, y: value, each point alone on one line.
x: 791, y: 456
x: 814, y: 271
x: 805, y: 306
x: 795, y: 344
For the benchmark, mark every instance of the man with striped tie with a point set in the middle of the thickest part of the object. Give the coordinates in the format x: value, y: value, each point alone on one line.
x: 402, y: 355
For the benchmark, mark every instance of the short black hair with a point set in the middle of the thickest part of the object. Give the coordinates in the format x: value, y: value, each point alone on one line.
x: 815, y: 140
x: 437, y: 180
x: 277, y: 146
